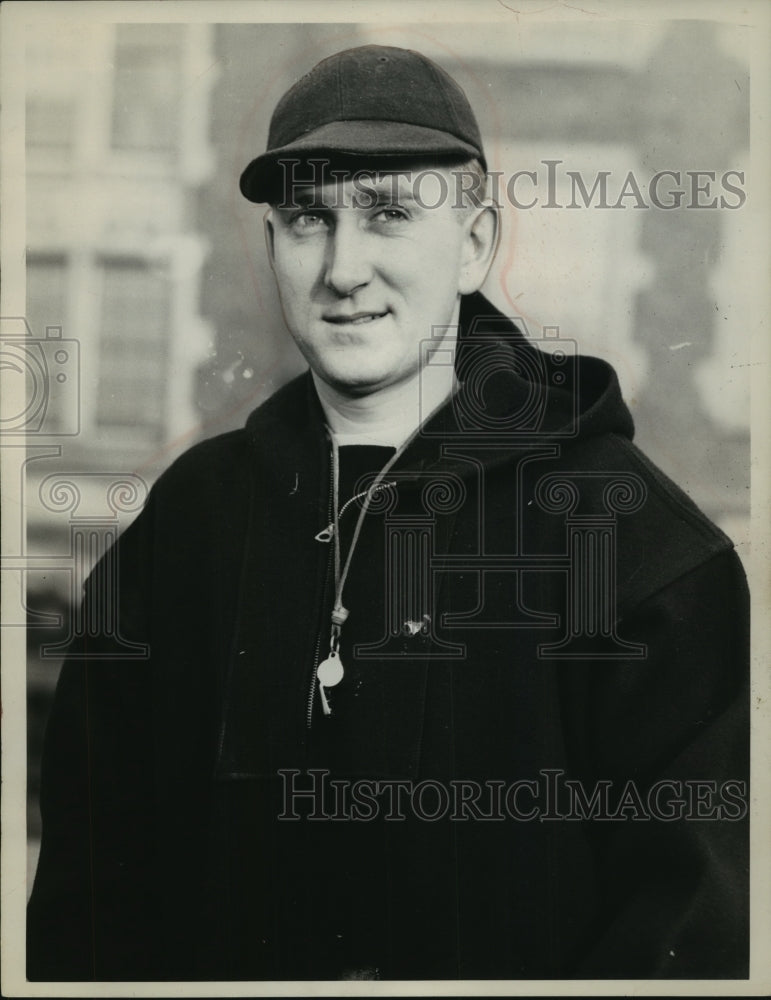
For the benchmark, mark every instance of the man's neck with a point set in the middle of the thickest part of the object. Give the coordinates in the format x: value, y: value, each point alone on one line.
x: 390, y: 415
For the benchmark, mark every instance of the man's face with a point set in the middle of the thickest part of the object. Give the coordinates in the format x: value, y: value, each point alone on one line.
x: 363, y: 279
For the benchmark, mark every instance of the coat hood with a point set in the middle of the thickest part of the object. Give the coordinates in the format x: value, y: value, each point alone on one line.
x: 527, y: 390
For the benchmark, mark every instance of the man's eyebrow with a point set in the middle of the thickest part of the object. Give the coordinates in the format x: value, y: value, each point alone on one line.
x: 389, y: 193
x: 368, y: 191
x: 304, y: 197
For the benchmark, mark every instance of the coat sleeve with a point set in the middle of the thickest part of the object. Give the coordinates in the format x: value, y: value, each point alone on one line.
x: 674, y: 875
x: 90, y: 915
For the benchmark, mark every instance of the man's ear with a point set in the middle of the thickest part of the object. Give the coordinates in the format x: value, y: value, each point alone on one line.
x: 483, y: 230
x: 270, y: 236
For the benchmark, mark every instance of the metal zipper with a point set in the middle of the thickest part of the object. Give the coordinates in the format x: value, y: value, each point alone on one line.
x: 312, y: 691
x: 326, y: 534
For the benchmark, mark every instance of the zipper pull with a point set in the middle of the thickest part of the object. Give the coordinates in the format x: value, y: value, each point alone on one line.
x: 326, y: 534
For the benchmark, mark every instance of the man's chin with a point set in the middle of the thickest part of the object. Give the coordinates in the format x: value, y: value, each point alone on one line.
x: 358, y: 383
x: 358, y: 387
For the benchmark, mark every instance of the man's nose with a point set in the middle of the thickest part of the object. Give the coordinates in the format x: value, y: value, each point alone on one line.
x: 348, y: 265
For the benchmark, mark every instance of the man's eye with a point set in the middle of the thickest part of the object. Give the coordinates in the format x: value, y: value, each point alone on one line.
x: 307, y: 221
x: 391, y: 214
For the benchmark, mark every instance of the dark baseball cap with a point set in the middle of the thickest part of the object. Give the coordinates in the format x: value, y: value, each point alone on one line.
x: 374, y: 103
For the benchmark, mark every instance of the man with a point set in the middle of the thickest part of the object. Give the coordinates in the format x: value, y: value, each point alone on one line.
x: 445, y: 679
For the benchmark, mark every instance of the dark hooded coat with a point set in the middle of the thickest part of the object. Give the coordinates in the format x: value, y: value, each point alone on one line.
x: 573, y: 617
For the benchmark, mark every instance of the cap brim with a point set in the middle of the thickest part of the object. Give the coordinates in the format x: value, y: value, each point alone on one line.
x: 378, y: 140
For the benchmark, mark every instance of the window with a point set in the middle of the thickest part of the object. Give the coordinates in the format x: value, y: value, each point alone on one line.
x: 47, y: 276
x: 46, y: 292
x: 50, y: 124
x: 148, y: 87
x: 133, y: 347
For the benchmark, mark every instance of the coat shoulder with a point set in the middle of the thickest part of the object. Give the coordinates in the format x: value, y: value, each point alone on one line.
x: 661, y: 533
x: 220, y: 457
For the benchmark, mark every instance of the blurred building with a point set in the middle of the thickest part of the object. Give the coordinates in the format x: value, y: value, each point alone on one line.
x: 117, y: 145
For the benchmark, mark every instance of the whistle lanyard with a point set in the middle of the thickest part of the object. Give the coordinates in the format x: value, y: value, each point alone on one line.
x: 330, y: 671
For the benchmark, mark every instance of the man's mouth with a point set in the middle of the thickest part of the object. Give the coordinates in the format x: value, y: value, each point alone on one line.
x: 354, y: 319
